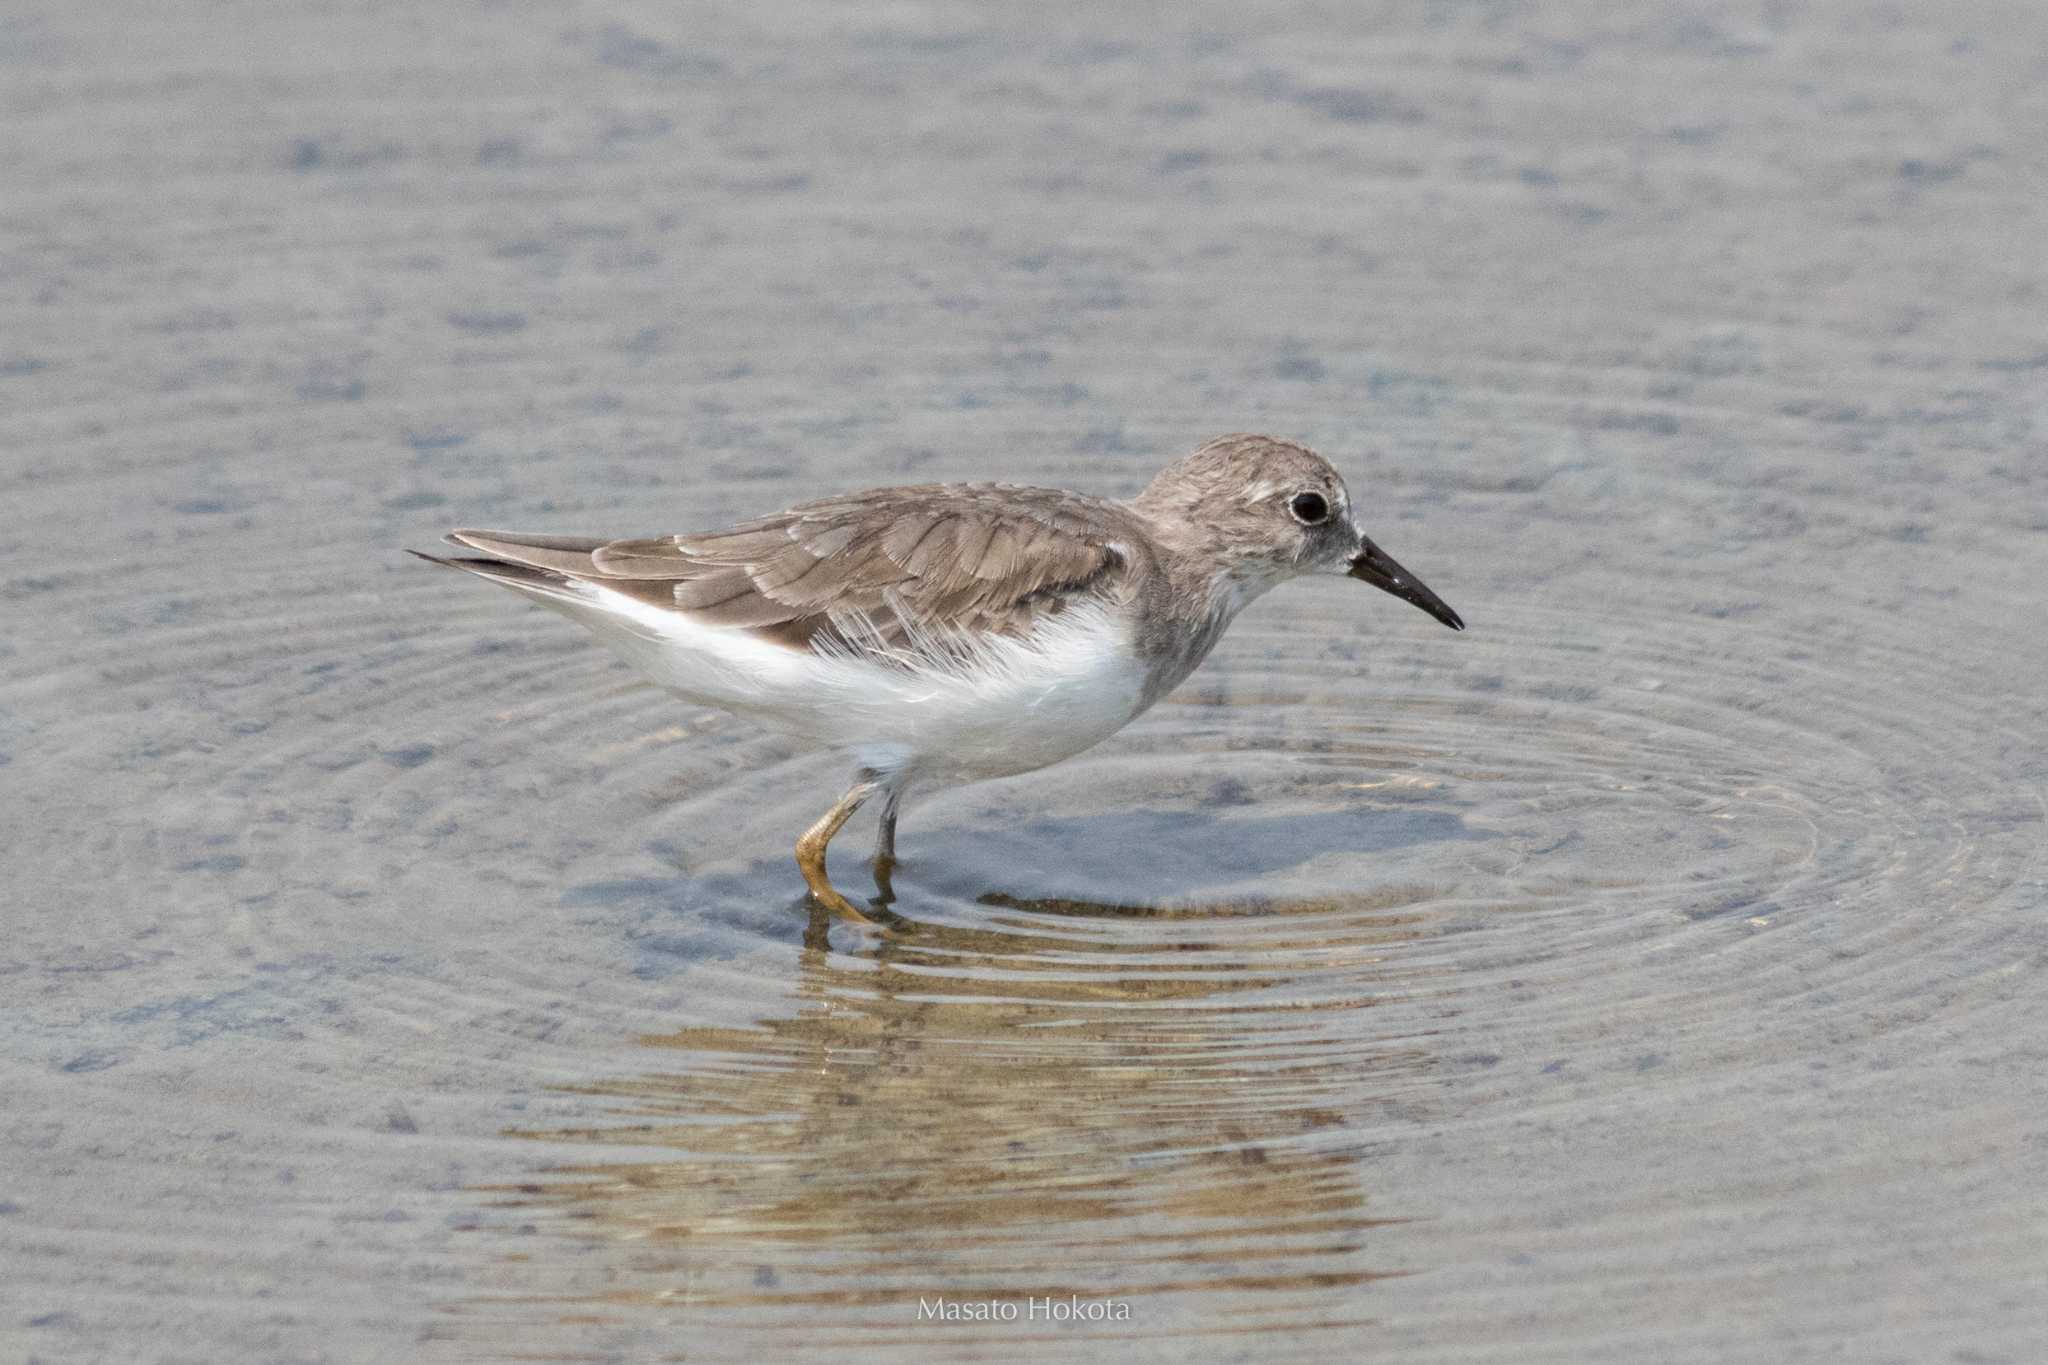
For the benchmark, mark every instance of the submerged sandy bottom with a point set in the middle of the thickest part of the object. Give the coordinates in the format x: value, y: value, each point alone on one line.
x: 1651, y: 972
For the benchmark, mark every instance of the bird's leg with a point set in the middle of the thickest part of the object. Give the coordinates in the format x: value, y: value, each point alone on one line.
x: 810, y: 850
x: 885, y: 836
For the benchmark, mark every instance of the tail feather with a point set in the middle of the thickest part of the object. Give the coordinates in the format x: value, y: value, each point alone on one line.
x: 540, y: 583
x: 695, y: 661
x: 553, y: 554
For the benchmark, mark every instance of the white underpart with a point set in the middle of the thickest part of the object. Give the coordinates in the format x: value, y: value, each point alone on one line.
x: 1000, y: 706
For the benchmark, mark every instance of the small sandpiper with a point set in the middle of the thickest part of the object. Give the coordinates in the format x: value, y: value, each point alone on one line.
x: 956, y: 631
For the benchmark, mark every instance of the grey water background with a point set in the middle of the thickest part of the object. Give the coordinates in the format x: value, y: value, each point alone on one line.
x: 1652, y: 972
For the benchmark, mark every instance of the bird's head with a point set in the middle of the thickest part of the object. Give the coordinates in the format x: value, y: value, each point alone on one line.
x: 1269, y: 510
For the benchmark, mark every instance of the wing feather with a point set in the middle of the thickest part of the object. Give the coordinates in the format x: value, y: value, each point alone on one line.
x: 887, y: 572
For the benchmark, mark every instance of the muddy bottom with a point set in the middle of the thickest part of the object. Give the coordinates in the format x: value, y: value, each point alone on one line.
x: 1650, y: 972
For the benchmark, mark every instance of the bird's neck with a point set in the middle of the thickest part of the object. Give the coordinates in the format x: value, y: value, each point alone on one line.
x: 1197, y: 592
x: 1208, y: 582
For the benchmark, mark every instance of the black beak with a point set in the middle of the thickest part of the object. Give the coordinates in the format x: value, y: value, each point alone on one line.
x: 1372, y: 565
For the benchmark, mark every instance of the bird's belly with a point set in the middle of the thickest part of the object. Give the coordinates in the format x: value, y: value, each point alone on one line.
x: 997, y: 740
x: 1019, y: 708
x: 1006, y: 706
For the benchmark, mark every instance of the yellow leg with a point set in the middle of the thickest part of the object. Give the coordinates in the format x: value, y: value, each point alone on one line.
x: 810, y: 850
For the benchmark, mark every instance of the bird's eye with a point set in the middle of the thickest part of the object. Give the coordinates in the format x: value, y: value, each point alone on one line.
x: 1310, y: 509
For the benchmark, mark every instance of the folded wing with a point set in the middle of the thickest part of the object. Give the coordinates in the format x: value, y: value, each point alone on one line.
x: 886, y: 571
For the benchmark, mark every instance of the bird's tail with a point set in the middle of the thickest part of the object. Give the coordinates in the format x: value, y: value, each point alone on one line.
x: 552, y: 588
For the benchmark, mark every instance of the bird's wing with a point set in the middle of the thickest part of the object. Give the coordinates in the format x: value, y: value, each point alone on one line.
x: 889, y: 570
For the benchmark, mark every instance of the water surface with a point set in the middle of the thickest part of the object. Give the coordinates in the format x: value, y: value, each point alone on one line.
x: 1650, y: 972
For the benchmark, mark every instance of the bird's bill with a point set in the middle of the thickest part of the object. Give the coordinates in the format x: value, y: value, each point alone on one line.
x: 1373, y: 565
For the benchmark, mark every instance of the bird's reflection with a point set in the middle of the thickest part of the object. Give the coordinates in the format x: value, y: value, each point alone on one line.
x: 1050, y: 1099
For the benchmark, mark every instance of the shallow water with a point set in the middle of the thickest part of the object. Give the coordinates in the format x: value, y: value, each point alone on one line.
x: 1650, y: 972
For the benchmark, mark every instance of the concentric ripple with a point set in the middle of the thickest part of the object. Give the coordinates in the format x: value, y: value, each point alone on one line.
x: 1142, y: 1029
x: 1141, y: 1024
x: 1141, y: 1032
